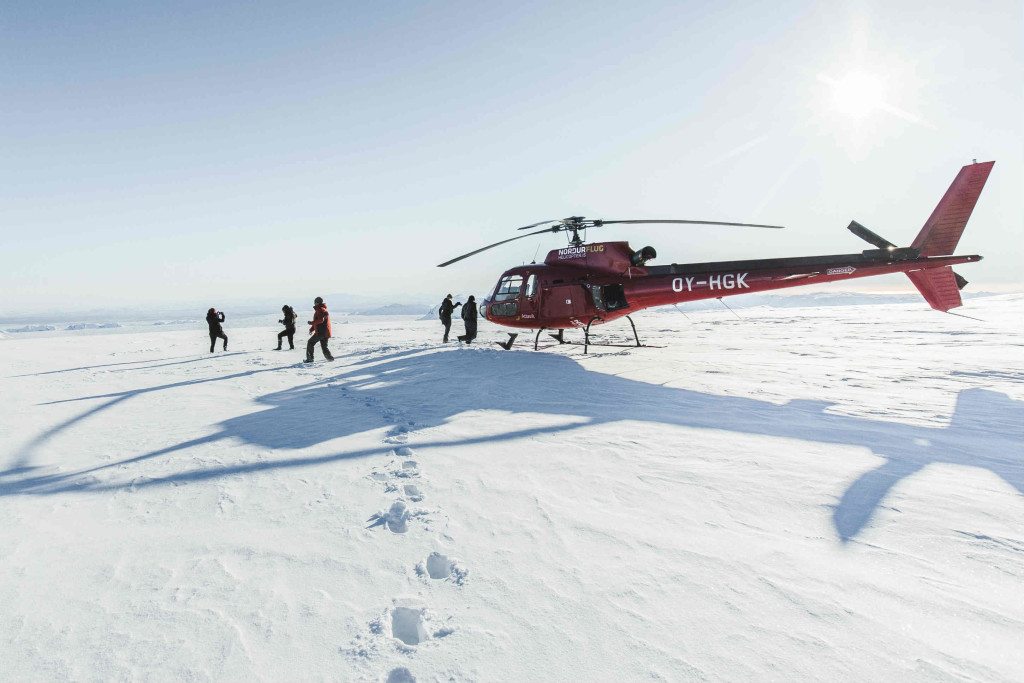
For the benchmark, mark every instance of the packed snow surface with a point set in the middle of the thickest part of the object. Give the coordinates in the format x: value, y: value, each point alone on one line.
x: 800, y: 494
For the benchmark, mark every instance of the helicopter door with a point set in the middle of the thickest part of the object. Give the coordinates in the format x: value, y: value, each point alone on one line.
x: 564, y: 301
x: 528, y: 298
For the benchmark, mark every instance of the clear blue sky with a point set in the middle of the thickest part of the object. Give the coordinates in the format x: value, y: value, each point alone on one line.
x: 178, y: 152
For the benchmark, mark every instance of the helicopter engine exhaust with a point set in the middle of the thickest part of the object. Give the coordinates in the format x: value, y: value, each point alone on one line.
x: 642, y: 256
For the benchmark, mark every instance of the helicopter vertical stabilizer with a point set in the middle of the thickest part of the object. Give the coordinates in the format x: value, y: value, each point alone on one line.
x: 943, y: 229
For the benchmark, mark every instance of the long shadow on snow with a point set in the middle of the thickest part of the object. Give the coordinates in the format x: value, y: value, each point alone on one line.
x: 986, y: 430
x: 23, y: 459
x: 193, y: 357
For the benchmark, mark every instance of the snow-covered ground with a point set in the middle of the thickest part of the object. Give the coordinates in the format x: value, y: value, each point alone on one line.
x: 800, y: 494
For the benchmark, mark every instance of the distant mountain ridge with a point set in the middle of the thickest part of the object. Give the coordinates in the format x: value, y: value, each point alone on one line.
x: 393, y: 309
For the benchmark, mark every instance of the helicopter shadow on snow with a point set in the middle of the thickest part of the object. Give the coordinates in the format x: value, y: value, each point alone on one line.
x: 414, y: 391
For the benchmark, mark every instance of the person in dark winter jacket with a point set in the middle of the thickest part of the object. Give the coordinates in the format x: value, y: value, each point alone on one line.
x: 469, y: 317
x: 320, y: 329
x: 445, y: 313
x: 289, y: 327
x: 214, y: 318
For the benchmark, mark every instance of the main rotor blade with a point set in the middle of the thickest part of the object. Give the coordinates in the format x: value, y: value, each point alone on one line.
x: 534, y: 225
x: 741, y: 225
x: 496, y: 244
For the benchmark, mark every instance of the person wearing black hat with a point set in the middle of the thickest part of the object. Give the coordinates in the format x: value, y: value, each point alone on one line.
x: 214, y: 318
x: 469, y: 317
x: 445, y: 313
x: 289, y: 327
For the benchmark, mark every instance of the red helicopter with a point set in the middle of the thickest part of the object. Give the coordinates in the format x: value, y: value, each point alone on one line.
x: 590, y: 284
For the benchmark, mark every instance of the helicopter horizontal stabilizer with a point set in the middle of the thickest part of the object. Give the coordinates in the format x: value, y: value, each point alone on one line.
x: 940, y: 287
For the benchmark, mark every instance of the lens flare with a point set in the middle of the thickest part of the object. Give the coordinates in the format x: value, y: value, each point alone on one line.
x: 857, y: 94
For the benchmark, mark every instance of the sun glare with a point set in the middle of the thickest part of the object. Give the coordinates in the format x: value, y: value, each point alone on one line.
x: 857, y: 94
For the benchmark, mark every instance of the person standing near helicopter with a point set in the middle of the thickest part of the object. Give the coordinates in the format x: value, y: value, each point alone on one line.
x: 289, y: 327
x: 214, y: 318
x: 445, y: 313
x: 320, y: 330
x: 469, y: 317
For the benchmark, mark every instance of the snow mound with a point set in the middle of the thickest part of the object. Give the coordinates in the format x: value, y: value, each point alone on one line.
x: 31, y: 328
x: 92, y: 326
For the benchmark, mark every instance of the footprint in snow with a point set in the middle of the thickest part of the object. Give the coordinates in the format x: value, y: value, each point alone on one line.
x: 409, y: 468
x: 438, y: 566
x: 406, y: 469
x: 400, y: 675
x: 399, y: 434
x: 409, y: 623
x: 395, y: 518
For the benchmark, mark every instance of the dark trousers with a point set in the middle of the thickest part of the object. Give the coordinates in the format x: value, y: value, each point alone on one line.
x: 214, y: 336
x: 447, y: 322
x: 290, y: 333
x: 470, y: 332
x: 318, y: 338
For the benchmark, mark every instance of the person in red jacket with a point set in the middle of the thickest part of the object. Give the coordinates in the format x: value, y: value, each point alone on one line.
x: 320, y: 330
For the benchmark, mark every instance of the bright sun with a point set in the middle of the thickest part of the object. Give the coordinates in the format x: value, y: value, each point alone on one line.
x: 856, y: 94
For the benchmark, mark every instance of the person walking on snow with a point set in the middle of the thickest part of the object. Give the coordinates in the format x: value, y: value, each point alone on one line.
x: 320, y: 329
x: 289, y: 327
x: 469, y: 317
x: 445, y: 313
x: 214, y: 318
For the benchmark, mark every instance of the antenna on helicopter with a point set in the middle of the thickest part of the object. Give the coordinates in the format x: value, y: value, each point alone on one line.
x: 574, y: 224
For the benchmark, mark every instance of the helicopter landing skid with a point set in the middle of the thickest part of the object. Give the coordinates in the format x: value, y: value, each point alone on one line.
x: 586, y: 344
x: 586, y: 335
x: 507, y: 345
x: 604, y: 345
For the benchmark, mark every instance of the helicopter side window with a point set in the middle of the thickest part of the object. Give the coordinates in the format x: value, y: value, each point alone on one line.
x: 531, y: 285
x: 508, y: 288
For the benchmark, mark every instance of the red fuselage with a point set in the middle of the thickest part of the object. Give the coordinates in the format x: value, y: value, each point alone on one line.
x: 598, y: 283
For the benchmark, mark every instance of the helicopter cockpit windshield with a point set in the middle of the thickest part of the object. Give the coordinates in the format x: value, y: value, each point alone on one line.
x: 505, y: 300
x: 508, y: 288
